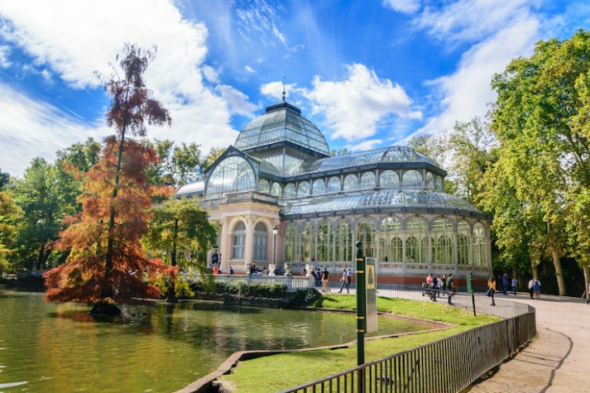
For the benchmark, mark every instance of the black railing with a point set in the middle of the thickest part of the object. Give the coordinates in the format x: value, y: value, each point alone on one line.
x: 448, y: 365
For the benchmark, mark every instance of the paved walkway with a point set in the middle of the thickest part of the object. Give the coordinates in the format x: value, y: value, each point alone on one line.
x: 558, y: 360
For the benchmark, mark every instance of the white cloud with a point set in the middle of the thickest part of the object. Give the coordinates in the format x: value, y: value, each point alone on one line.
x: 237, y: 101
x: 249, y: 69
x: 4, y: 51
x: 72, y: 42
x: 471, y: 20
x: 404, y: 6
x: 366, y: 145
x: 210, y: 74
x: 354, y: 107
x: 275, y: 89
x: 279, y: 35
x: 466, y: 93
x: 20, y: 124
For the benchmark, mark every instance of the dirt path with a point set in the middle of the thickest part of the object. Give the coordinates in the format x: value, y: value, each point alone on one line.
x: 558, y: 361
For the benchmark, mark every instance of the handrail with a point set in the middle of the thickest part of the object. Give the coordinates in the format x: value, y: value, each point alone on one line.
x: 447, y: 365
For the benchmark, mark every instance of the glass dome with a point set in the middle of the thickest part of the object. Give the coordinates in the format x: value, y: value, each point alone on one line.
x: 282, y: 123
x: 232, y: 175
x: 393, y: 153
x: 382, y: 199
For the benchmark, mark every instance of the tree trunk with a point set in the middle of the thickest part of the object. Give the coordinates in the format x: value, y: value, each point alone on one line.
x: 45, y: 258
x: 586, y: 279
x: 171, y: 295
x: 110, y: 240
x: 534, y: 270
x: 559, y: 274
x: 40, y: 257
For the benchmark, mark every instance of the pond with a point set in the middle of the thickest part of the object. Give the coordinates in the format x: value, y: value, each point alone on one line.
x: 61, y: 348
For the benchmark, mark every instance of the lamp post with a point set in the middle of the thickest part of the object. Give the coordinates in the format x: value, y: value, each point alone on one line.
x: 361, y: 313
x: 275, y: 231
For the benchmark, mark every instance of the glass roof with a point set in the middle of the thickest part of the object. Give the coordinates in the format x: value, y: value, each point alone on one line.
x: 393, y: 153
x: 191, y: 189
x: 382, y: 198
x: 282, y: 123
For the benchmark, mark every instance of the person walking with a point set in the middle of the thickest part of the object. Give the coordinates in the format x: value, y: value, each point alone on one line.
x: 537, y: 289
x: 344, y: 281
x: 349, y: 278
x: 450, y: 287
x: 325, y: 279
x: 492, y: 289
x: 505, y: 284
x: 444, y: 283
x: 514, y: 285
x: 434, y: 285
x: 532, y: 287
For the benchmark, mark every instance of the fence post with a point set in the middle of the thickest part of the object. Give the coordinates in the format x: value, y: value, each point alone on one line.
x: 361, y: 313
x: 288, y: 281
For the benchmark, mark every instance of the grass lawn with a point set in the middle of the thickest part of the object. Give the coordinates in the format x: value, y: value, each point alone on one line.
x: 279, y: 372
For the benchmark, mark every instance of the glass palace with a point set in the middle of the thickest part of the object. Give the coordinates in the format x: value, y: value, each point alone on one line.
x: 279, y: 175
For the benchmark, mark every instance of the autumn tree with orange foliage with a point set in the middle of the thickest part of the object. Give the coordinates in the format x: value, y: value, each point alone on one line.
x: 107, y: 264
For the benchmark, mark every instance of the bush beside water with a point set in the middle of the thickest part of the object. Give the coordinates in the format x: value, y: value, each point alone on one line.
x: 240, y: 290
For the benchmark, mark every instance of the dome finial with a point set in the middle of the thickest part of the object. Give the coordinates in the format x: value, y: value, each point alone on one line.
x: 284, y: 93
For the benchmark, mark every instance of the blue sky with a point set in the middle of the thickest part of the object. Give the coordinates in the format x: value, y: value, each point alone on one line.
x: 369, y: 73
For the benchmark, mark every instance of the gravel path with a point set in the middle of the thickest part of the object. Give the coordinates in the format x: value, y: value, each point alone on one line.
x: 558, y: 360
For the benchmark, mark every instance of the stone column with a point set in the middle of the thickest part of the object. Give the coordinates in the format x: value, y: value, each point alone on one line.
x: 455, y: 256
x: 249, y: 246
x: 223, y: 240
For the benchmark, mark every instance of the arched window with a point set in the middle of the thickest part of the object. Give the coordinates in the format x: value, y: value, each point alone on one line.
x: 325, y: 239
x: 389, y: 179
x: 289, y: 191
x: 417, y: 240
x: 263, y: 186
x: 429, y: 180
x: 412, y: 179
x: 307, y: 242
x: 439, y: 183
x: 239, y: 241
x: 234, y: 174
x: 365, y: 232
x: 319, y: 187
x: 390, y: 242
x: 368, y: 180
x: 463, y: 254
x: 351, y: 183
x: 334, y: 184
x: 303, y: 189
x: 343, y: 241
x: 291, y: 247
x: 442, y: 241
x: 260, y: 242
x: 275, y: 190
x: 479, y: 245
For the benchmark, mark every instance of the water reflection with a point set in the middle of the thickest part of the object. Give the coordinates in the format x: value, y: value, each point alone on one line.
x: 163, y: 348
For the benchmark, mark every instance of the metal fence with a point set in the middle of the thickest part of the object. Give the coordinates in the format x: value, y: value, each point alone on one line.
x: 448, y: 365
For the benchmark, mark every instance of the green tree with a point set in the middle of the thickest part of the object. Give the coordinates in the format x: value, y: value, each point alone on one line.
x: 9, y: 213
x: 43, y: 209
x: 470, y: 145
x: 211, y: 157
x: 540, y: 119
x: 178, y: 165
x: 182, y: 233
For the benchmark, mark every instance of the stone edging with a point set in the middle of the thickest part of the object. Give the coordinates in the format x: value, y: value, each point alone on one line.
x: 203, y: 385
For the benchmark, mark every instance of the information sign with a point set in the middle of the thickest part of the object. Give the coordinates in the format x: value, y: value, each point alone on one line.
x: 371, y: 277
